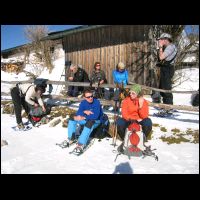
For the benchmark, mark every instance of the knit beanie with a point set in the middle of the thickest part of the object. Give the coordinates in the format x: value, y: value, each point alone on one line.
x: 136, y: 88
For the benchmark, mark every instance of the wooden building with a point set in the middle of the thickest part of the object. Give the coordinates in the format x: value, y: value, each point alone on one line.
x: 109, y: 44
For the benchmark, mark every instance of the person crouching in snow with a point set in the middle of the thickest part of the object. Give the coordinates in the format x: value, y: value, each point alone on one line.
x: 25, y: 95
x: 89, y: 114
x: 135, y: 109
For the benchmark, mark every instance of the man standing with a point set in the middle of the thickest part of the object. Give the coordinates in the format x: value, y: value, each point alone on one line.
x: 166, y: 56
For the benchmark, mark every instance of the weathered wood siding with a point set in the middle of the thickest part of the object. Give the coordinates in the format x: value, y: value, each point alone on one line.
x: 111, y: 45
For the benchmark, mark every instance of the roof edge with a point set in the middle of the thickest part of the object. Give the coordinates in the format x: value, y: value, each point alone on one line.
x: 78, y: 29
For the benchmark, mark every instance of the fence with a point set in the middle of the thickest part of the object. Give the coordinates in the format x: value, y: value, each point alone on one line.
x: 111, y: 102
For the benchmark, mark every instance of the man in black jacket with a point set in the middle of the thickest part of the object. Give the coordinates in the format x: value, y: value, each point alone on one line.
x: 78, y: 75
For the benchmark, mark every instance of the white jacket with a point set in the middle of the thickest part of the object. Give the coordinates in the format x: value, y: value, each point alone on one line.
x: 30, y: 93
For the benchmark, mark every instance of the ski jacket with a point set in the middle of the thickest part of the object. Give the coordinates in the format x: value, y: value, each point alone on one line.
x: 94, y: 107
x: 120, y: 77
x: 80, y: 76
x: 131, y: 110
x: 96, y: 76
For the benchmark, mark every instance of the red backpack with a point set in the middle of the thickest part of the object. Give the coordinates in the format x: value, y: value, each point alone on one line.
x: 132, y: 140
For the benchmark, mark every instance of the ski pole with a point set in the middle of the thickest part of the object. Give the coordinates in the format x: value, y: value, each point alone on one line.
x: 115, y: 125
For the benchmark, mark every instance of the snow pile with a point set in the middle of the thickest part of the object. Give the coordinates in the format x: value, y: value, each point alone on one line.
x: 188, y: 82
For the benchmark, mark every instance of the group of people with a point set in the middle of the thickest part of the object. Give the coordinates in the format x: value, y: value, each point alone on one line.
x: 89, y: 115
x: 134, y: 107
x: 120, y: 76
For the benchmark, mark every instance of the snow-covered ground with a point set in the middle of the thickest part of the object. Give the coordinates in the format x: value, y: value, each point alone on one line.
x: 35, y: 151
x: 188, y: 82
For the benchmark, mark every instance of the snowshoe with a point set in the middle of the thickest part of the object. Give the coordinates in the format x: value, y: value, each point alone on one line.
x: 25, y: 128
x: 66, y: 143
x: 164, y: 114
x: 149, y: 152
x: 80, y: 149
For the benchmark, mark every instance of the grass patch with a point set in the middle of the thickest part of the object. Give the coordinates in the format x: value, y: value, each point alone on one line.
x: 173, y: 140
x: 163, y: 129
x: 8, y: 109
x: 3, y: 102
x: 196, y: 137
x: 62, y: 111
x: 175, y: 130
x: 150, y: 135
x: 189, y: 131
x: 180, y: 136
x: 194, y: 133
x: 156, y: 125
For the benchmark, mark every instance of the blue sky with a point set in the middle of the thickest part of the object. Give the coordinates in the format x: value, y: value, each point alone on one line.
x: 13, y: 35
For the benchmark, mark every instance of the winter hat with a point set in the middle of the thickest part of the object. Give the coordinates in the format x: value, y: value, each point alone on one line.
x: 165, y: 35
x: 136, y: 88
x: 121, y: 65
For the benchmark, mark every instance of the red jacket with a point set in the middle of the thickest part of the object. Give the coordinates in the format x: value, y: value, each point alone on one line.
x: 130, y: 109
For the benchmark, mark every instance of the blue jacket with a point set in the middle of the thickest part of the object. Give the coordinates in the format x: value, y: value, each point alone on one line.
x: 120, y: 77
x: 95, y: 107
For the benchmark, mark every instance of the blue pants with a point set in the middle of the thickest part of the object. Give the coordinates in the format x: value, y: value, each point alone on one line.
x: 89, y: 126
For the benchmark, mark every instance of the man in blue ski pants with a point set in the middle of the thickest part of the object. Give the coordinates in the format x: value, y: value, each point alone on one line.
x: 89, y: 114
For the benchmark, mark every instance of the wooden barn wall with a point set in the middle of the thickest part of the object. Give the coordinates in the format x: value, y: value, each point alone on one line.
x: 111, y: 45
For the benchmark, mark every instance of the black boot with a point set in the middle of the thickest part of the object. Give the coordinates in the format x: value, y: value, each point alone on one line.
x: 120, y: 148
x: 146, y: 131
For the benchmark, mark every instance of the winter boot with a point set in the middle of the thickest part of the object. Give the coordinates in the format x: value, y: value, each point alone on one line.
x: 120, y: 148
x: 21, y: 126
x: 78, y: 149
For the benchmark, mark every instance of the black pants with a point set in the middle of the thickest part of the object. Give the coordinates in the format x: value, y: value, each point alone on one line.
x: 18, y: 103
x: 108, y: 93
x: 166, y: 75
x: 122, y: 124
x: 74, y: 91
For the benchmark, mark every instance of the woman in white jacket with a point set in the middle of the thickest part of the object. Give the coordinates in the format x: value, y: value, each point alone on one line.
x: 26, y: 95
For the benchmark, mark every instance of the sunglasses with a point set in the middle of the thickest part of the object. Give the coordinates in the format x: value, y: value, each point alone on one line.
x: 89, y: 97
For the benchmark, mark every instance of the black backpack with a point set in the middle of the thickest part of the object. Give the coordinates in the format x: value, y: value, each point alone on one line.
x: 102, y: 130
x: 195, y: 100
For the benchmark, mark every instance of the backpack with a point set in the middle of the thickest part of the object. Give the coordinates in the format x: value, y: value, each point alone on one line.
x: 195, y: 99
x: 37, y: 112
x: 102, y: 130
x: 132, y: 141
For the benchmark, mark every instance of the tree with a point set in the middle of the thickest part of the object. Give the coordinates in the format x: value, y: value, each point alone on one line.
x: 41, y: 48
